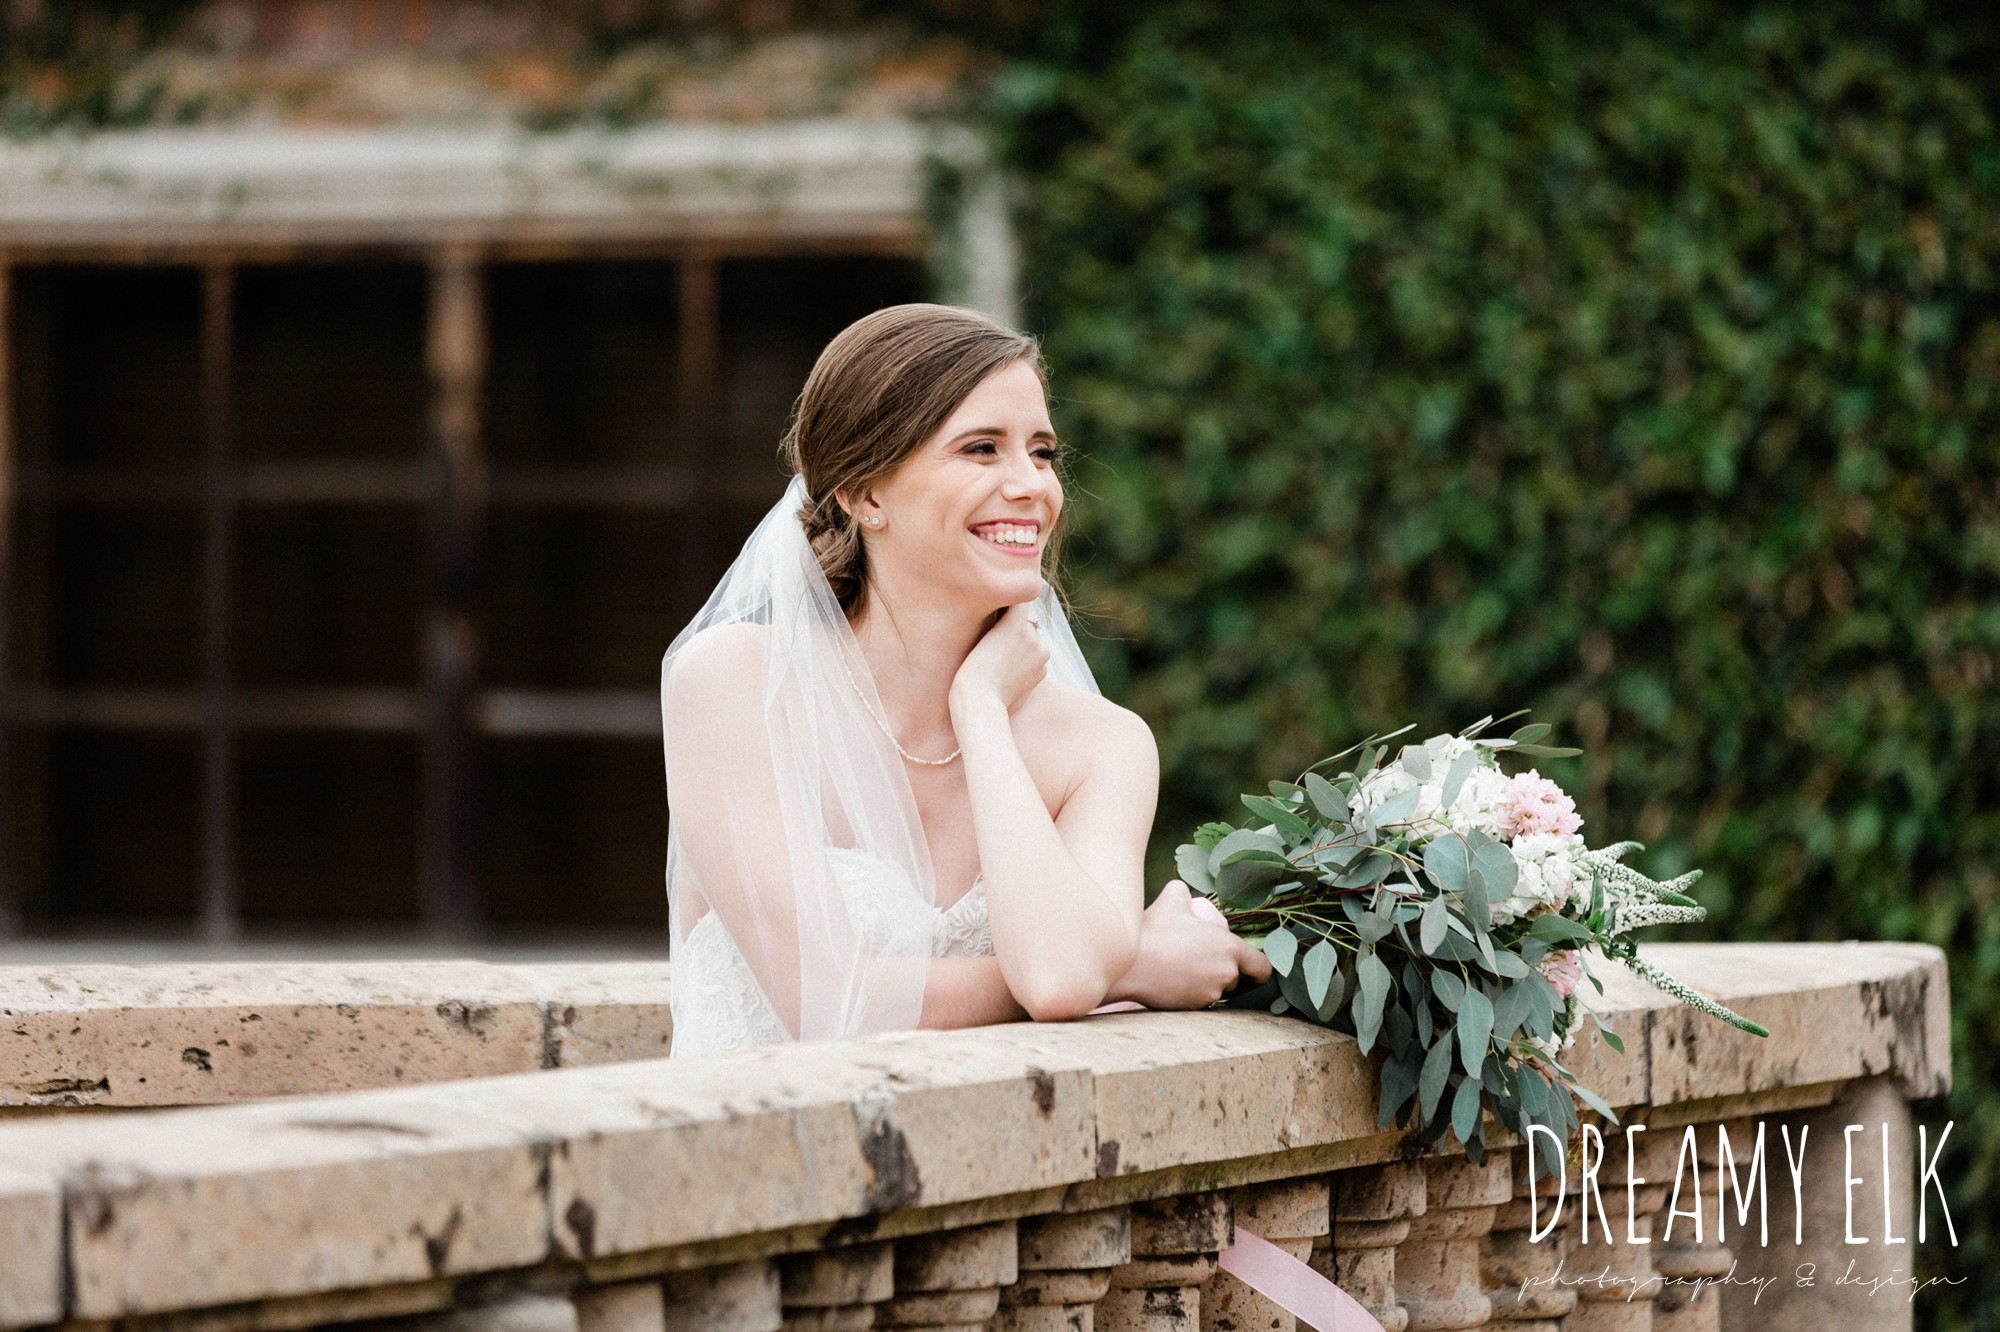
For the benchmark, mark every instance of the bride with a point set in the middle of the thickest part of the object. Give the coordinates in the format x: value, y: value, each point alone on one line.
x: 896, y: 797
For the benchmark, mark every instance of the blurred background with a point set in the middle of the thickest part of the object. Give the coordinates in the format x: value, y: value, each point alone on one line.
x: 385, y: 382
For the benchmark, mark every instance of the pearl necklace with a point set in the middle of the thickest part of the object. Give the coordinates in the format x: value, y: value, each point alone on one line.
x: 869, y: 708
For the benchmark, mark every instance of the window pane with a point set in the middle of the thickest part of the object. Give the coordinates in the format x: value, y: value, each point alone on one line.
x: 330, y: 362
x: 573, y: 834
x: 328, y: 828
x: 584, y: 364
x: 329, y: 595
x: 109, y: 367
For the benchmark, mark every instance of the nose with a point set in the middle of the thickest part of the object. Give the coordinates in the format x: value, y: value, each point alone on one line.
x: 1024, y: 479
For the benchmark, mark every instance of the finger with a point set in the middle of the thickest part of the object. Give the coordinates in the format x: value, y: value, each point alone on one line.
x: 1175, y: 893
x: 1252, y: 962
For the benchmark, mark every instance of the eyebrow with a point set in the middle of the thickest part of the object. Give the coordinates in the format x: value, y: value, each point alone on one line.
x: 996, y: 430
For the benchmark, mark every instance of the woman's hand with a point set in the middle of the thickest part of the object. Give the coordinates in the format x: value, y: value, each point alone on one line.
x: 1186, y: 961
x: 1005, y: 664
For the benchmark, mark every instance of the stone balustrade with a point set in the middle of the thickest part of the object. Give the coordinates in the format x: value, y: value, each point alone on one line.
x: 427, y: 1143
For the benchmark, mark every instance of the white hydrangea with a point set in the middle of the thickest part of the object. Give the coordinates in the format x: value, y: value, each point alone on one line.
x: 1550, y: 871
x: 1476, y: 805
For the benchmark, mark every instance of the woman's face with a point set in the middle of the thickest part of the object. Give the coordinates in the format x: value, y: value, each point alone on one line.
x: 969, y: 513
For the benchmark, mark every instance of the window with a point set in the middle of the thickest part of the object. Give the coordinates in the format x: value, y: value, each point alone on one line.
x: 336, y: 583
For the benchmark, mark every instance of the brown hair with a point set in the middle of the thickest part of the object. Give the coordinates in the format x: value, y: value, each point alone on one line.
x: 880, y: 389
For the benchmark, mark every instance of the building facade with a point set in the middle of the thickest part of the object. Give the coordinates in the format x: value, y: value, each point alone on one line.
x: 365, y: 438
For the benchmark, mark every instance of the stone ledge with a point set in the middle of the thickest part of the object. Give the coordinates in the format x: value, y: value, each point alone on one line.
x: 201, y: 1033
x: 826, y: 1141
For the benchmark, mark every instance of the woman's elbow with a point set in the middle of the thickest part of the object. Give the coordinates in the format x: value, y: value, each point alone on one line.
x: 1061, y: 996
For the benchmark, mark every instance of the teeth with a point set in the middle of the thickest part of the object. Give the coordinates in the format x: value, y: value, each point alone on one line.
x: 1009, y: 536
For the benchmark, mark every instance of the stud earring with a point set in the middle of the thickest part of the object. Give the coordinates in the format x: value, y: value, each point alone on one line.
x: 872, y: 520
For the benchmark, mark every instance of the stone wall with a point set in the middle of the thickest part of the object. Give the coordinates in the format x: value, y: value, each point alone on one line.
x: 1062, y: 1176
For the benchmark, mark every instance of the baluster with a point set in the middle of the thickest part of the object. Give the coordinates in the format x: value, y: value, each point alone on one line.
x: 1521, y: 1273
x: 836, y: 1290
x: 1065, y: 1269
x: 1292, y: 1214
x: 1684, y: 1304
x: 633, y: 1306
x: 1617, y: 1281
x: 742, y: 1297
x: 951, y: 1282
x: 1372, y: 1210
x: 1438, y: 1267
x: 1174, y: 1243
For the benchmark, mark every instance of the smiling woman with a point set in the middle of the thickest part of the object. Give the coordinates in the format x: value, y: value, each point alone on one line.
x: 897, y: 797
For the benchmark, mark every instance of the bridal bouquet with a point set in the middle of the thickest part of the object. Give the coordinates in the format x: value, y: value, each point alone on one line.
x: 1441, y: 909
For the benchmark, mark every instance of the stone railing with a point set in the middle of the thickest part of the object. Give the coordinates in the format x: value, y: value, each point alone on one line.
x: 1019, y: 1177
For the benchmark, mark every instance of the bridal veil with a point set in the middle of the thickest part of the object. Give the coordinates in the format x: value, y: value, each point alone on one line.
x: 777, y: 770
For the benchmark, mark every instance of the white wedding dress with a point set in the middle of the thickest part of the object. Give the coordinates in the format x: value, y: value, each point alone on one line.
x: 718, y: 1005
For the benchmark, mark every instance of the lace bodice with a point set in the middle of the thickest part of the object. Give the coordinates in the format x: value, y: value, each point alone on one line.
x: 718, y: 1005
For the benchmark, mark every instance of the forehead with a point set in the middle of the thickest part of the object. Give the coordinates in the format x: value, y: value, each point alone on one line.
x: 1011, y: 397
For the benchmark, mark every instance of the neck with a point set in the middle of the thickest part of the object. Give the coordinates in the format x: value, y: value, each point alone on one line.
x: 914, y: 648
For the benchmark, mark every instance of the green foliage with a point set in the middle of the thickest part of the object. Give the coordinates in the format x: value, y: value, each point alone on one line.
x: 1638, y: 364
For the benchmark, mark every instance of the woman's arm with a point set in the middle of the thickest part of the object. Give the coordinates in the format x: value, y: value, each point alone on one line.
x: 1064, y: 895
x: 968, y: 992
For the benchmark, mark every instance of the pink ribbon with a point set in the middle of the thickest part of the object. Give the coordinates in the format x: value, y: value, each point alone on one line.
x: 1294, y: 1287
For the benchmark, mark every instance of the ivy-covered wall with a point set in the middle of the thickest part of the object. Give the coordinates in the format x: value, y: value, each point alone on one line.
x: 1639, y: 364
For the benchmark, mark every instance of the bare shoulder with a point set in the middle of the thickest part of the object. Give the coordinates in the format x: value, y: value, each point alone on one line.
x: 1094, y: 731
x: 720, y: 665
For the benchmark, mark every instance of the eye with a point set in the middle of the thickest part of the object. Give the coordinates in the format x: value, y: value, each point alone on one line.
x: 982, y: 447
x: 1048, y: 453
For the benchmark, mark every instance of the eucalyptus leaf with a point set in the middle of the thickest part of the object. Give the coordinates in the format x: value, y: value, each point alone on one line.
x: 1449, y: 989
x: 1282, y: 947
x: 1396, y: 808
x: 1431, y: 933
x: 1557, y: 929
x: 1594, y: 1101
x: 1243, y: 839
x: 1373, y: 926
x: 1543, y: 751
x: 1192, y: 862
x: 1478, y: 906
x: 1398, y: 1031
x: 1529, y: 734
x: 1475, y: 1029
x: 1336, y: 994
x: 1416, y: 761
x: 1326, y: 798
x: 1509, y: 965
x: 1494, y: 861
x: 1320, y: 961
x: 1398, y: 1084
x: 1278, y: 813
x: 1373, y: 981
x: 1454, y: 778
x: 1366, y: 872
x: 1465, y: 1109
x: 1446, y: 862
x: 1432, y: 1080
